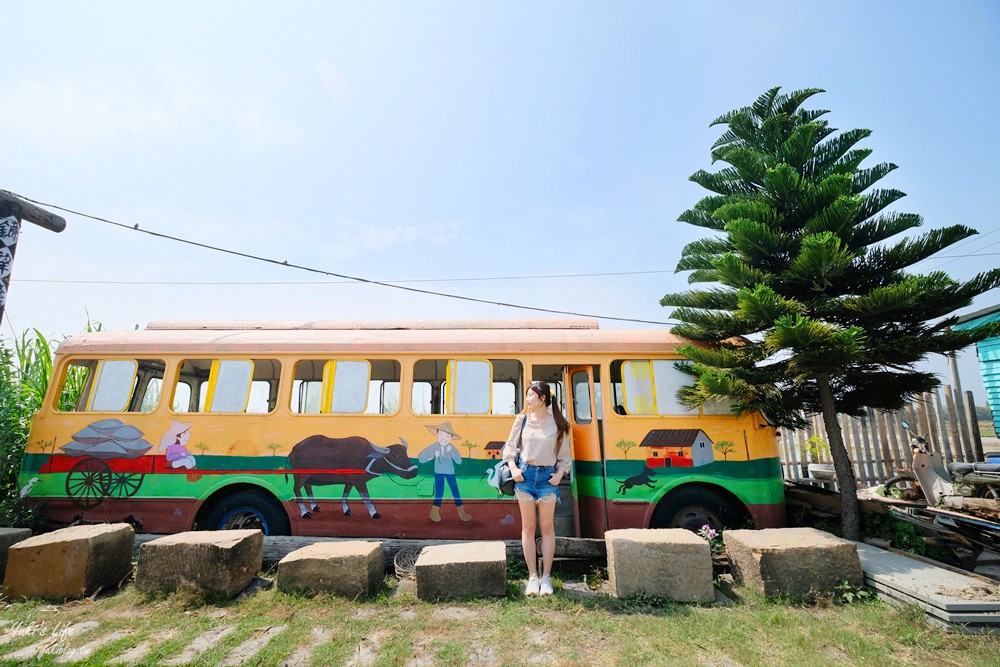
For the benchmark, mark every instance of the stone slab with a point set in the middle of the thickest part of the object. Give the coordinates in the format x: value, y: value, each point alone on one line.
x: 672, y: 563
x: 349, y: 569
x: 792, y: 561
x: 983, y: 617
x: 212, y: 561
x: 9, y: 537
x: 469, y: 569
x: 946, y: 590
x: 71, y: 562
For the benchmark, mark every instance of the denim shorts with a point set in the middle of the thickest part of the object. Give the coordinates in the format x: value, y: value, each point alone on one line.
x: 536, y: 486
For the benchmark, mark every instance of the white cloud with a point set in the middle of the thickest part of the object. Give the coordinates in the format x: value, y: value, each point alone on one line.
x: 354, y: 239
x: 334, y: 83
x: 76, y: 113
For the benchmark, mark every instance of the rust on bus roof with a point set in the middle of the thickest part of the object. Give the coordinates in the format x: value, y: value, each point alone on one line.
x: 365, y: 325
x: 275, y: 338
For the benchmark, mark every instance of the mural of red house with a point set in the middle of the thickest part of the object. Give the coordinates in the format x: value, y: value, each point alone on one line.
x: 678, y: 448
x: 494, y: 448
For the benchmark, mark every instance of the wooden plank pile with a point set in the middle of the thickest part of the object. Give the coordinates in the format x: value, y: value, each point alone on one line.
x: 949, y: 599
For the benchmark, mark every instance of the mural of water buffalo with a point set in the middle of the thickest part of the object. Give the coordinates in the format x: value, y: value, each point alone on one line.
x: 321, y: 461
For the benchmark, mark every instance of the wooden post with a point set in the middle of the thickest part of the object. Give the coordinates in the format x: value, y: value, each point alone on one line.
x: 954, y: 425
x: 10, y: 230
x: 13, y: 210
x: 949, y: 453
x: 871, y: 450
x: 851, y: 425
x: 898, y: 460
x: 977, y: 438
x: 959, y: 404
x: 881, y: 444
x: 905, y: 444
x: 939, y: 426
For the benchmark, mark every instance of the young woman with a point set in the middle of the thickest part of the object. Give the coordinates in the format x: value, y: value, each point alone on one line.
x: 545, y: 460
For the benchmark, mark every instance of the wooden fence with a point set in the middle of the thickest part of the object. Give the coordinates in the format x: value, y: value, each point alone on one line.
x: 879, y: 445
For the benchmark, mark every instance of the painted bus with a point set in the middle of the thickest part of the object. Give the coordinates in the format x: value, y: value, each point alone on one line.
x: 383, y: 429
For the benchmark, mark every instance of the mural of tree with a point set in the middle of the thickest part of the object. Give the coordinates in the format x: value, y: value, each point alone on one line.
x: 625, y: 445
x: 469, y: 446
x: 724, y: 447
x: 202, y: 447
x: 274, y: 447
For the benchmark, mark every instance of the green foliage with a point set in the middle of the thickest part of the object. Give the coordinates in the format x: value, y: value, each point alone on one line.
x: 17, y: 404
x: 904, y: 536
x: 815, y: 448
x: 849, y: 594
x: 810, y: 308
x: 807, y: 283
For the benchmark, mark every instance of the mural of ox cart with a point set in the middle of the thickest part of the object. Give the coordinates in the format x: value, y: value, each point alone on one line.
x: 105, y: 459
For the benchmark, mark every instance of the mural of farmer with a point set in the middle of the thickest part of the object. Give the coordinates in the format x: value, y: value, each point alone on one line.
x: 174, y: 440
x: 446, y: 457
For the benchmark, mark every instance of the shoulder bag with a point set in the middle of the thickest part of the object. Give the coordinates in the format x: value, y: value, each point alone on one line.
x: 506, y: 479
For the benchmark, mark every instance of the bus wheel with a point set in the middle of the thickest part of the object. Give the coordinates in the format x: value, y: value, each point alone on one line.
x: 693, y: 508
x: 248, y: 510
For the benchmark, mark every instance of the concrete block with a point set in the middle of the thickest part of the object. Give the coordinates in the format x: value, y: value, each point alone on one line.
x: 213, y: 561
x: 8, y: 537
x: 792, y: 561
x: 70, y: 563
x: 350, y: 569
x: 469, y: 569
x: 672, y: 563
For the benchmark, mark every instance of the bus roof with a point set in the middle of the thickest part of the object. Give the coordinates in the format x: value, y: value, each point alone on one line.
x: 373, y: 337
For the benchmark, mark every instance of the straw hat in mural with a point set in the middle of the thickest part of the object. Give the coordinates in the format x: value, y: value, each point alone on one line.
x: 170, y: 437
x: 446, y: 427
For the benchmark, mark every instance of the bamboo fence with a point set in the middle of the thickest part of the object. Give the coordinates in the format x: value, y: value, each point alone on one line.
x: 879, y: 445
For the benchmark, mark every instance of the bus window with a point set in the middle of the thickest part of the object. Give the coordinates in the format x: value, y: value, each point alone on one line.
x: 151, y: 397
x: 648, y: 387
x: 112, y: 385
x: 182, y: 398
x: 460, y: 386
x: 383, y: 397
x: 345, y: 386
x: 504, y: 402
x: 227, y: 386
x: 581, y: 398
x: 423, y: 398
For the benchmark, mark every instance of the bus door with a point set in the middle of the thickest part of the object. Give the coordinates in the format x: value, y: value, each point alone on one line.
x: 588, y: 463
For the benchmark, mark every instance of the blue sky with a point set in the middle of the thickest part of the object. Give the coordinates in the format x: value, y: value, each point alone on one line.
x: 446, y: 141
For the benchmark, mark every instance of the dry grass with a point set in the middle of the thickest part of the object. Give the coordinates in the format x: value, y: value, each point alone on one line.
x: 395, y: 628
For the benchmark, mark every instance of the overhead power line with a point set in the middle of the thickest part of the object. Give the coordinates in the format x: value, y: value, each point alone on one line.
x: 336, y: 282
x: 357, y: 279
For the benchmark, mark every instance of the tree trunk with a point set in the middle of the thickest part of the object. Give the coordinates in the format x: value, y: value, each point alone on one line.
x: 850, y: 521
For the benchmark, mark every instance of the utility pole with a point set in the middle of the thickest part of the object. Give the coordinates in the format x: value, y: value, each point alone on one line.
x: 13, y: 210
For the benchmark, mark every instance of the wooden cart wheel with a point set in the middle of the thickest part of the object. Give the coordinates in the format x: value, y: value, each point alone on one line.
x: 124, y: 484
x: 87, y: 482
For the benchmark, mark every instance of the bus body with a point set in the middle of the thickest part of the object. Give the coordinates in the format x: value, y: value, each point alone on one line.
x: 383, y: 429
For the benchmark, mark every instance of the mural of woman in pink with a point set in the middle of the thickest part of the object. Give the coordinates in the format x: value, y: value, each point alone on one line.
x: 174, y: 440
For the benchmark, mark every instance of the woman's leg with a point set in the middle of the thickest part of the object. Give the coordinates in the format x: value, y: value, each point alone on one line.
x: 547, y: 523
x: 528, y: 534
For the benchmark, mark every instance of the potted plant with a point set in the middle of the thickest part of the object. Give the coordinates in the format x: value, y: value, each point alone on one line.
x: 815, y: 449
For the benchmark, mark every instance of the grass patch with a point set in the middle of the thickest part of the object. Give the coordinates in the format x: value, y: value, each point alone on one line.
x: 395, y: 627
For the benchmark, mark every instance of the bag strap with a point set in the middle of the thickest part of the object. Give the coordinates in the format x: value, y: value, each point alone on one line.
x: 519, y: 434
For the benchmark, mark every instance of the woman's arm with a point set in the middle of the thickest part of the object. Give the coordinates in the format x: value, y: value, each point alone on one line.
x: 509, y: 453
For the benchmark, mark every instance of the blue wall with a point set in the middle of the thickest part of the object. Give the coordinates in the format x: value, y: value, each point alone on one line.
x: 988, y: 351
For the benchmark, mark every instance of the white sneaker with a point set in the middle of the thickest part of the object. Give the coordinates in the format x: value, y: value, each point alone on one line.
x: 531, y: 590
x: 545, y: 585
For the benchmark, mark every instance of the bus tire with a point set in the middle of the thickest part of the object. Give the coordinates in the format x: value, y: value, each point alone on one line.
x: 693, y: 507
x: 248, y: 509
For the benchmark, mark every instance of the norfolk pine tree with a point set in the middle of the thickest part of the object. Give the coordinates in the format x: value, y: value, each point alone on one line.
x: 810, y: 307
